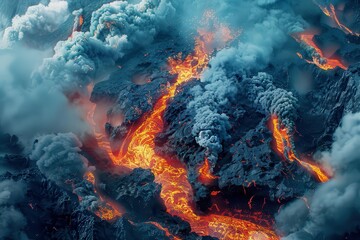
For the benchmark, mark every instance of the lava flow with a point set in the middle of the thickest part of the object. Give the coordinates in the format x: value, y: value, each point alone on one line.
x: 106, y: 210
x: 285, y: 148
x: 318, y: 57
x: 205, y: 175
x: 138, y: 151
x: 330, y: 11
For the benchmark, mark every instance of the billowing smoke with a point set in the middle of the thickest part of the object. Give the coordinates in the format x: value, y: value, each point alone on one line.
x: 269, y: 99
x: 270, y: 29
x: 55, y: 51
x: 36, y: 26
x: 115, y: 30
x: 27, y: 109
x: 58, y: 158
x: 12, y: 221
x: 211, y: 125
x: 125, y: 26
x: 334, y: 206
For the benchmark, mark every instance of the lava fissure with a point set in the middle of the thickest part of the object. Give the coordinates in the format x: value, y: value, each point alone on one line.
x: 285, y: 148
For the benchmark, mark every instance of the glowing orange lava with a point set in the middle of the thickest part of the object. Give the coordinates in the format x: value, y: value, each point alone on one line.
x: 138, y: 151
x: 205, y: 175
x: 330, y: 11
x: 108, y: 213
x: 167, y: 233
x: 285, y: 149
x: 79, y: 21
x: 106, y: 210
x: 319, y: 58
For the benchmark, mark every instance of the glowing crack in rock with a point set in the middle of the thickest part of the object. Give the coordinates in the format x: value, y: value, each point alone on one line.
x: 285, y: 148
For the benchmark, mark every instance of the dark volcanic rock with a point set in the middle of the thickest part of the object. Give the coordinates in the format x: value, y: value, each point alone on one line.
x: 323, y: 108
x: 137, y: 192
x: 254, y: 164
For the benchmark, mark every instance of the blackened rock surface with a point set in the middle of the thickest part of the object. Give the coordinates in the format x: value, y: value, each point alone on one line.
x: 177, y: 138
x: 137, y: 192
x: 247, y: 156
x: 335, y: 94
x: 52, y: 213
x: 254, y: 164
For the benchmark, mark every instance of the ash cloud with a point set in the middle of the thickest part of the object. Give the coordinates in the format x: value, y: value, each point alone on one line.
x: 27, y: 109
x: 58, y: 157
x: 334, y: 206
x: 211, y: 125
x: 116, y: 29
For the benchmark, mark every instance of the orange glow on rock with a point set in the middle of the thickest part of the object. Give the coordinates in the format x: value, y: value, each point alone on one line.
x: 205, y: 175
x: 108, y: 212
x: 285, y: 149
x: 329, y: 63
x: 89, y: 176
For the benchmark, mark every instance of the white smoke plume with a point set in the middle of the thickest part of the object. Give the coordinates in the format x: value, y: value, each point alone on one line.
x: 36, y: 24
x: 334, y: 207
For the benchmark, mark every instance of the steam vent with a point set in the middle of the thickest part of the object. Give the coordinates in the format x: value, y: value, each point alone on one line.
x: 179, y: 120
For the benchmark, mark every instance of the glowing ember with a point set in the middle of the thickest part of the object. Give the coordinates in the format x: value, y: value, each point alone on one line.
x: 89, y: 176
x: 330, y: 11
x: 108, y: 213
x: 318, y: 56
x: 285, y: 149
x: 205, y: 175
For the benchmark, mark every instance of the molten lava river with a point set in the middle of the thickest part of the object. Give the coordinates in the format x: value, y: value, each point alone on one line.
x: 138, y: 151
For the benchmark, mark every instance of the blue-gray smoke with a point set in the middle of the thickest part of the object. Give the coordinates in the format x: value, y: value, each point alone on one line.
x: 334, y: 208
